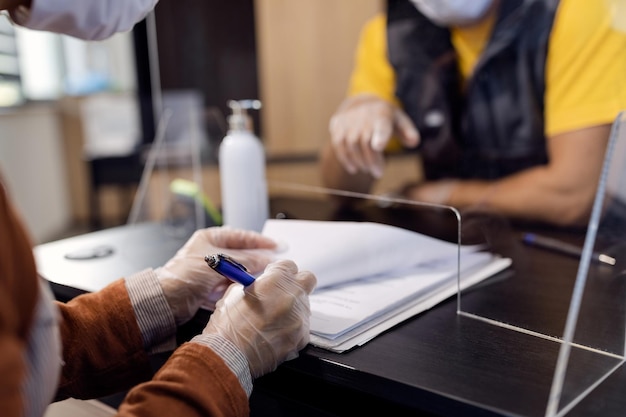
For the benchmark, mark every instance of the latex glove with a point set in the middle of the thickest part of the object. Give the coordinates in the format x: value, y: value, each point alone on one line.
x: 189, y: 283
x: 361, y: 128
x: 269, y: 319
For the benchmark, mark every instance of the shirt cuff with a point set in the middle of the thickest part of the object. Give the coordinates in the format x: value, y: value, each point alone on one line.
x: 153, y: 313
x: 233, y: 357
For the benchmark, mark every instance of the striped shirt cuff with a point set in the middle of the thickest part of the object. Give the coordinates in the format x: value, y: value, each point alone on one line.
x: 233, y: 357
x: 153, y: 313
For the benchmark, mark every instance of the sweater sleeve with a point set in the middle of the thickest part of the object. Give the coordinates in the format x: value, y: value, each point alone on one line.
x: 103, y: 350
x: 195, y: 381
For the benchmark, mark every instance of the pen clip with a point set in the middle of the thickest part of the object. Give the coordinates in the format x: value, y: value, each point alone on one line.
x: 215, y: 259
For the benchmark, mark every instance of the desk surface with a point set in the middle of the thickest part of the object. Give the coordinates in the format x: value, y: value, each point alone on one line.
x: 441, y: 363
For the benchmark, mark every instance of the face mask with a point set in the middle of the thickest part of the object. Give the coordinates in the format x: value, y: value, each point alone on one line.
x: 452, y: 12
x: 43, y: 356
x: 84, y: 19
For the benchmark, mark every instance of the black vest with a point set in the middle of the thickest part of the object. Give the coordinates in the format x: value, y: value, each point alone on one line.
x: 496, y: 126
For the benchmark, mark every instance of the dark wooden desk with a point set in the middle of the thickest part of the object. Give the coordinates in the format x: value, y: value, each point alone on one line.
x: 441, y: 363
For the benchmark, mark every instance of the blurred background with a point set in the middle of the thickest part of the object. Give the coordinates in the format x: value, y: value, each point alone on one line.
x: 77, y: 117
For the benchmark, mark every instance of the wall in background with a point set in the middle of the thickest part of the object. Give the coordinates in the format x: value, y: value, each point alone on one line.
x: 33, y: 165
x: 306, y: 53
x: 295, y: 55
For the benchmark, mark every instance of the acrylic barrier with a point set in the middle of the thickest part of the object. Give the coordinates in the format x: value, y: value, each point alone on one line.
x: 565, y: 306
x: 594, y: 329
x: 172, y: 186
x: 566, y: 299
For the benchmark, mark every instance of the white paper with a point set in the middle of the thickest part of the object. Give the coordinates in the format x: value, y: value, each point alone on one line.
x: 368, y: 330
x: 372, y: 276
x: 343, y: 251
x: 336, y: 310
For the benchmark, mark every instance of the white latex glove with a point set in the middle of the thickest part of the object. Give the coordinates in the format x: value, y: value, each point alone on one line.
x: 269, y: 319
x: 189, y: 283
x: 361, y: 128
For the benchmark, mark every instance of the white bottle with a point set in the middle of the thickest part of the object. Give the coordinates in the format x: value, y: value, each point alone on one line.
x: 242, y: 171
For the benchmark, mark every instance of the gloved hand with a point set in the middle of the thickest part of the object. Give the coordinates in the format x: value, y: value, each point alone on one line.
x: 189, y: 283
x: 361, y: 128
x: 269, y: 319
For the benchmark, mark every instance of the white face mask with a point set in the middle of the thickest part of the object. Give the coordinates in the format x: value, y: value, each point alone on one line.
x: 452, y: 12
x: 84, y: 19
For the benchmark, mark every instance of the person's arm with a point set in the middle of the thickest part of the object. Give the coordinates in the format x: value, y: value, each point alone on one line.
x: 107, y: 335
x: 366, y: 120
x: 560, y: 192
x: 103, y: 351
x: 259, y: 326
x: 585, y: 90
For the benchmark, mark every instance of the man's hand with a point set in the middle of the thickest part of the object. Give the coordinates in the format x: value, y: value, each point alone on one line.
x: 361, y: 128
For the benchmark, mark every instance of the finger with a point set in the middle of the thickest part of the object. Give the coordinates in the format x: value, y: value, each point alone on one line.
x: 380, y: 138
x: 407, y: 131
x: 284, y: 274
x: 352, y: 149
x: 371, y: 160
x: 294, y: 281
x: 338, y: 142
x: 381, y: 134
x: 307, y: 280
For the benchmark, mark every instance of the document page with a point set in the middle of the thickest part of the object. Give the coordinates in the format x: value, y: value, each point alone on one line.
x: 371, y: 276
x: 344, y: 251
x: 336, y: 310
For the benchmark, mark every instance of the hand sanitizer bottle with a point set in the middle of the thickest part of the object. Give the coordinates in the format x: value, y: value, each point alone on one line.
x: 242, y: 171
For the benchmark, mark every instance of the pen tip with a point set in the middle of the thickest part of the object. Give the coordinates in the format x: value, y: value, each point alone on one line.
x: 211, y: 260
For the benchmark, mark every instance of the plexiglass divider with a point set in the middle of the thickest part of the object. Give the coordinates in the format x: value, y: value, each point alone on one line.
x: 171, y: 191
x: 568, y: 315
x: 572, y: 308
x: 597, y: 311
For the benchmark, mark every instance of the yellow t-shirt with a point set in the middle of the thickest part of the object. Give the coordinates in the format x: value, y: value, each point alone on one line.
x: 585, y: 68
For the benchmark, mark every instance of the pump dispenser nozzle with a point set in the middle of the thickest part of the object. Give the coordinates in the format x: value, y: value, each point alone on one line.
x: 240, y: 120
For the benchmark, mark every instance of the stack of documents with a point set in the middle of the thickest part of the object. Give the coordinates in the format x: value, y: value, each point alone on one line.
x: 372, y: 276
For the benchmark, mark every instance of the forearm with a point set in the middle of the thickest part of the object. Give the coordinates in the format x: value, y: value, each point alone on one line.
x: 195, y: 381
x: 102, y: 344
x: 531, y: 195
x: 158, y: 328
x: 108, y: 335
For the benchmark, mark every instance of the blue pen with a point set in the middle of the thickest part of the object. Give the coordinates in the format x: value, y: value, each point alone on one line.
x: 564, y: 248
x: 228, y: 267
